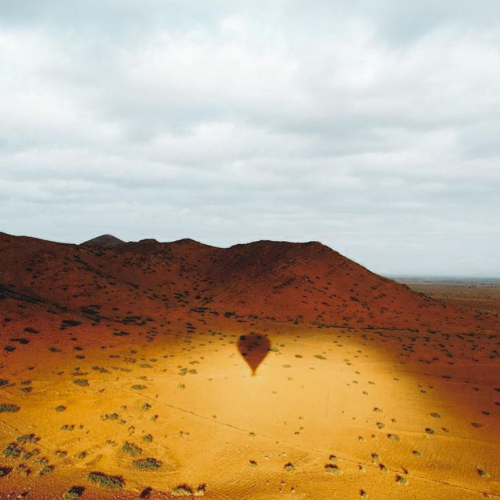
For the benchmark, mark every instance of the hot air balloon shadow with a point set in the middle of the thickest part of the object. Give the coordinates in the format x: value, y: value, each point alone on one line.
x: 254, y: 348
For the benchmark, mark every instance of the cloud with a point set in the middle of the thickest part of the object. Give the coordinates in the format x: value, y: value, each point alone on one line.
x: 371, y: 126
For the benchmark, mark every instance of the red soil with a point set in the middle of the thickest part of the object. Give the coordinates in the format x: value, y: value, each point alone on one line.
x: 280, y: 280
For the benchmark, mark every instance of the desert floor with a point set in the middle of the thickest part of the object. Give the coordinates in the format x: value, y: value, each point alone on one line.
x: 332, y: 413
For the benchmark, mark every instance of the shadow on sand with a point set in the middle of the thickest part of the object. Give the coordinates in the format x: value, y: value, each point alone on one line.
x: 254, y: 348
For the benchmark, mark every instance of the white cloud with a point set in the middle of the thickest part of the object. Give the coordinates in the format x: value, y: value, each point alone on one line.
x: 373, y: 130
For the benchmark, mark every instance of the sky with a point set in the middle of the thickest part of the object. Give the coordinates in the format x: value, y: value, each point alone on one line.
x: 372, y: 126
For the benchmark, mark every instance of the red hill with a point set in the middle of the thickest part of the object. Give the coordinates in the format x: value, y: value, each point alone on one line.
x: 296, y: 282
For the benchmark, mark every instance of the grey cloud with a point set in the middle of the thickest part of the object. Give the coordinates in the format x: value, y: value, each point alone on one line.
x: 371, y: 126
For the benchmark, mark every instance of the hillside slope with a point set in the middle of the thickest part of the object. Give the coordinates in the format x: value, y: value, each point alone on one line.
x: 293, y: 282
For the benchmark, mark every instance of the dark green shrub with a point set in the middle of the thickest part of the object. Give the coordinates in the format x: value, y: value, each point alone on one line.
x: 74, y: 492
x: 105, y: 481
x: 131, y: 449
x: 147, y: 464
x: 45, y: 470
x: 8, y: 408
x: 26, y: 438
x: 4, y: 471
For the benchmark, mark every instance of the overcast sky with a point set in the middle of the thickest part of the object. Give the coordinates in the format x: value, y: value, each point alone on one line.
x: 372, y: 126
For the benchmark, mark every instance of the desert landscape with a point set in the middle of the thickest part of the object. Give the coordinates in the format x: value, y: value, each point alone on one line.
x: 268, y: 370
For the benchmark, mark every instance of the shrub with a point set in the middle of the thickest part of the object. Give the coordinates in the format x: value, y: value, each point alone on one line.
x: 74, y: 492
x: 26, y: 438
x: 483, y: 473
x: 105, y: 481
x: 183, y: 490
x: 200, y: 491
x: 81, y: 381
x: 45, y: 470
x: 22, y: 341
x: 289, y: 467
x: 147, y: 464
x: 4, y: 471
x: 333, y: 469
x: 11, y: 450
x: 8, y: 408
x: 70, y: 322
x: 131, y: 449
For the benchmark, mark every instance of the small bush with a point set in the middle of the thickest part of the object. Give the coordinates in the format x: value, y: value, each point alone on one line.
x: 11, y: 450
x: 333, y: 469
x: 483, y: 473
x: 74, y: 492
x: 147, y: 464
x: 105, y: 481
x: 4, y: 471
x: 131, y: 449
x: 401, y: 480
x: 26, y: 438
x: 81, y: 381
x: 183, y: 490
x: 45, y: 470
x: 70, y: 322
x: 8, y: 408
